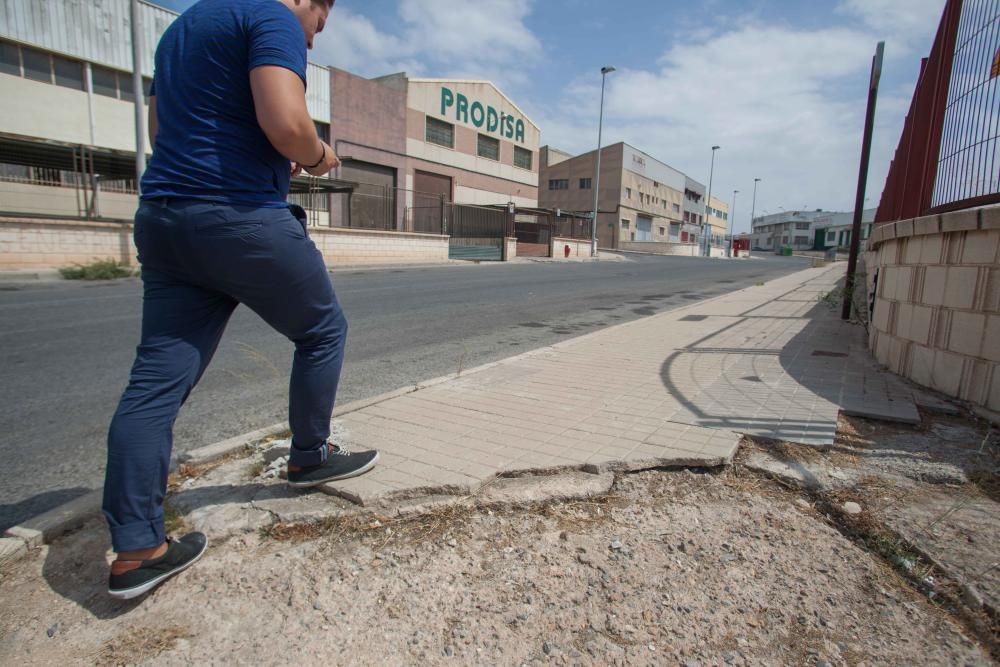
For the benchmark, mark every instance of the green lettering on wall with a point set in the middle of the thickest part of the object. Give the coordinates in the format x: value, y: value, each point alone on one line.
x: 492, y: 119
x: 520, y: 130
x: 447, y: 100
x: 478, y: 114
x: 508, y: 127
x: 462, y: 109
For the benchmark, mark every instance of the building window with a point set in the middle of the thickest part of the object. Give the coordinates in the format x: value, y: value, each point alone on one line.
x: 801, y: 225
x: 559, y: 184
x: 625, y: 224
x: 801, y: 240
x: 585, y: 183
x: 440, y: 132
x: 322, y: 130
x: 105, y: 81
x: 663, y: 230
x: 522, y: 158
x: 36, y: 65
x: 687, y: 216
x: 628, y: 193
x: 677, y: 208
x: 69, y: 73
x: 488, y: 147
x: 10, y: 59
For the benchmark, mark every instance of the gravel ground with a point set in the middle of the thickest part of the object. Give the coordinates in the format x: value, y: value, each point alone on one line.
x: 672, y: 568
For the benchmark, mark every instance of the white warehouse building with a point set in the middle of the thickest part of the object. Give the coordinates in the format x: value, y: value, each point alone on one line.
x: 67, y: 117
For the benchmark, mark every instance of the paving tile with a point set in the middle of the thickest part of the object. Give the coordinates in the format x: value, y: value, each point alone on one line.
x: 657, y: 391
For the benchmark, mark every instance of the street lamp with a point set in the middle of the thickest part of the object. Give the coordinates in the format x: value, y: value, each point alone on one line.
x: 732, y: 217
x: 597, y: 168
x: 708, y: 204
x: 753, y: 208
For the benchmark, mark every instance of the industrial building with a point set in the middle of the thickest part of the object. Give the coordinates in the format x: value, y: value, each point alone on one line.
x: 642, y: 200
x: 67, y: 117
x: 413, y: 149
x: 807, y: 230
x: 411, y: 144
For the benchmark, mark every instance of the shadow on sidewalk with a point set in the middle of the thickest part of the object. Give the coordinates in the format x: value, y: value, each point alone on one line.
x: 782, y: 371
x: 15, y: 513
x: 76, y: 565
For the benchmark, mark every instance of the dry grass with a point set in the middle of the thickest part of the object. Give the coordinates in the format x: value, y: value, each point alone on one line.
x: 139, y: 645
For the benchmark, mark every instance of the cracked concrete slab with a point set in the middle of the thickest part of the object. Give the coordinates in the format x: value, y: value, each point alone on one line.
x: 570, y: 485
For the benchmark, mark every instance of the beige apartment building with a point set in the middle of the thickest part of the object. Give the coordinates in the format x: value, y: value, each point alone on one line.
x: 641, y: 198
x: 717, y: 216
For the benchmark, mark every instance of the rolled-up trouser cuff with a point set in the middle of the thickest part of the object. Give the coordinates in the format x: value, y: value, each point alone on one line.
x: 135, y: 536
x: 307, y: 457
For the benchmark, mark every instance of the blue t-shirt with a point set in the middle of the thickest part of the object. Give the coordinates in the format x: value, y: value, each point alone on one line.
x: 209, y: 145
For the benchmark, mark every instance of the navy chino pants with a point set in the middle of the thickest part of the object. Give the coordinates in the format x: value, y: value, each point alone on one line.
x: 199, y: 261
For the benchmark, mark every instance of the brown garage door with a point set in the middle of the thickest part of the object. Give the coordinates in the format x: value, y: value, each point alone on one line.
x: 373, y: 204
x: 429, y: 192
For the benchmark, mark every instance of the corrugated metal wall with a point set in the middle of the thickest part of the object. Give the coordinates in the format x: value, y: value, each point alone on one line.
x: 98, y: 31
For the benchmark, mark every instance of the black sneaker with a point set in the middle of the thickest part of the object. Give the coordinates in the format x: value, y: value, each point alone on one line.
x: 181, y: 554
x: 339, y: 464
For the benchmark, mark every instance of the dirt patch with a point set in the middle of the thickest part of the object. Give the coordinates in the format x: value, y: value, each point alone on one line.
x: 140, y: 645
x: 671, y: 568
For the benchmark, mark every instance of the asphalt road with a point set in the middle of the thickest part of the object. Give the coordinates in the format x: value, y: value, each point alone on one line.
x: 67, y: 348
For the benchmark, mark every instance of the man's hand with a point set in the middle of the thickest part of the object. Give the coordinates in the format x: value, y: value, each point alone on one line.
x: 330, y: 161
x: 296, y: 169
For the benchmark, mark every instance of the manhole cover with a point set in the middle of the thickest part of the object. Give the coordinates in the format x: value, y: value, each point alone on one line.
x: 694, y: 318
x: 825, y: 353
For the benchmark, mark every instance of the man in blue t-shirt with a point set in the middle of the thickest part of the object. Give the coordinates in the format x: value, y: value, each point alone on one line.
x: 229, y: 127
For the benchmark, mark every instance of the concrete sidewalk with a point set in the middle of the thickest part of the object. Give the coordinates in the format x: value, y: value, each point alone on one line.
x: 672, y: 389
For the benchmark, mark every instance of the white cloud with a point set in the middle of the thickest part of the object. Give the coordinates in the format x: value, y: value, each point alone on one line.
x: 904, y: 23
x: 438, y: 38
x: 786, y: 104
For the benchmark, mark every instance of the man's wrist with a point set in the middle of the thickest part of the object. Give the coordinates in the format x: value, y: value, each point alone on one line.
x: 321, y: 158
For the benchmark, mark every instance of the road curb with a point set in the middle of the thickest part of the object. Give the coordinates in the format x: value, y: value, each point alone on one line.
x: 46, y: 527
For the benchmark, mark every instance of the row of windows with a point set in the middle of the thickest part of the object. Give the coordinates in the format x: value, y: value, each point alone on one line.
x: 38, y: 65
x: 563, y: 184
x: 717, y: 213
x: 651, y: 200
x: 442, y: 133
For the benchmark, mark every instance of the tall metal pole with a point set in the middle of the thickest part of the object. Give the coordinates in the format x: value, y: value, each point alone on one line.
x: 140, y: 120
x: 859, y: 202
x: 753, y: 208
x: 708, y: 202
x: 732, y: 218
x: 597, y: 169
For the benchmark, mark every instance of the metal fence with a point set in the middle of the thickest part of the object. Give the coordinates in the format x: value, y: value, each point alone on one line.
x: 968, y: 166
x: 947, y: 157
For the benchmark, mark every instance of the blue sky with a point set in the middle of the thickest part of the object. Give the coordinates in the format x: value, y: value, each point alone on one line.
x: 780, y: 85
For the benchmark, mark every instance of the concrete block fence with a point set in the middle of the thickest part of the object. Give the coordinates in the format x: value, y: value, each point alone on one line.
x: 34, y: 243
x: 936, y: 317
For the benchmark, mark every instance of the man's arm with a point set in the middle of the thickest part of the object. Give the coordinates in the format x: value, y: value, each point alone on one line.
x: 279, y: 99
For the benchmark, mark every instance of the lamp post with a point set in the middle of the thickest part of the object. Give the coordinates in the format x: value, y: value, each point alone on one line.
x: 753, y: 208
x: 140, y: 121
x: 597, y: 168
x: 708, y: 204
x: 732, y: 217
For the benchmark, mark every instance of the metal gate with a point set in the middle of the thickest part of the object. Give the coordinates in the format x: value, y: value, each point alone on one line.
x: 476, y: 233
x: 534, y: 235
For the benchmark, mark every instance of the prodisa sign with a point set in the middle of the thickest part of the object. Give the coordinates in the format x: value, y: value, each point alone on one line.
x: 483, y: 116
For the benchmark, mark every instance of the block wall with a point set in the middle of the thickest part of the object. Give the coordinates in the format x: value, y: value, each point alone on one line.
x: 936, y: 316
